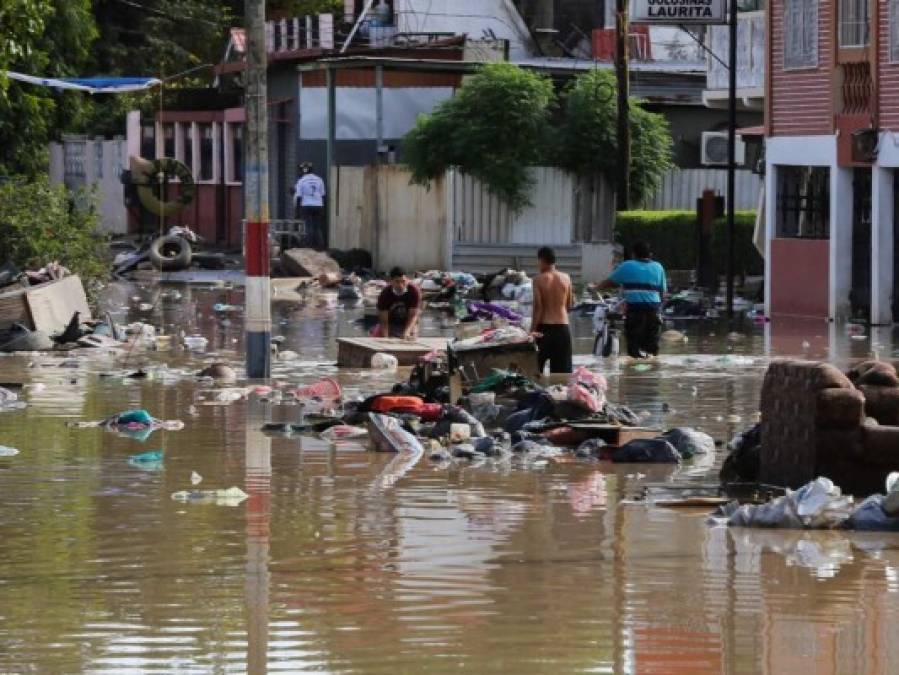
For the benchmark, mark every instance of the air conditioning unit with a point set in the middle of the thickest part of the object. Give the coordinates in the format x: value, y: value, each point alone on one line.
x: 714, y: 149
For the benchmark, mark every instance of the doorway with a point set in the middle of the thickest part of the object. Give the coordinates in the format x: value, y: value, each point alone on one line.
x: 860, y: 295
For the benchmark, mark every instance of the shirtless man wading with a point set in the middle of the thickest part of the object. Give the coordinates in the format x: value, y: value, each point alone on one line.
x: 552, y: 300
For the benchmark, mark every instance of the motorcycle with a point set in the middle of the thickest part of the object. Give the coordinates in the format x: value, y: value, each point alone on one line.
x: 605, y: 317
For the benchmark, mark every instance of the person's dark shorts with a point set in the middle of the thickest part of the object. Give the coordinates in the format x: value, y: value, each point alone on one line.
x: 555, y: 347
x: 643, y: 329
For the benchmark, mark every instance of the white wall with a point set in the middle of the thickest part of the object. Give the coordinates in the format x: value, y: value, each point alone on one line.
x: 475, y: 18
x: 94, y: 164
x: 357, y: 111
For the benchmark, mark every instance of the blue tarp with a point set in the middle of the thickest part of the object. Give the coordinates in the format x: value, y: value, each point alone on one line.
x: 91, y: 85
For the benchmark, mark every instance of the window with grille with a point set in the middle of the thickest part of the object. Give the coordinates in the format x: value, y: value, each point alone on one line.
x: 894, y: 30
x: 800, y: 33
x: 803, y: 202
x: 189, y: 146
x: 168, y: 140
x: 854, y: 23
x: 207, y: 170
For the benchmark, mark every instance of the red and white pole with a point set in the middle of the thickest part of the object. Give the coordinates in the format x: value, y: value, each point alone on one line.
x: 256, y: 244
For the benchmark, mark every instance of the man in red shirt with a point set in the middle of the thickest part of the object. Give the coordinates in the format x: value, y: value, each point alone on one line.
x: 399, y: 307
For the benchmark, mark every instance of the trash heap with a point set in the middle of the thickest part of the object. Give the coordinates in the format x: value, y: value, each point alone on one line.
x: 818, y: 505
x: 502, y: 416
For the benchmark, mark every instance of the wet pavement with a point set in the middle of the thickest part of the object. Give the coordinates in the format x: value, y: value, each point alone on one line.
x: 328, y: 568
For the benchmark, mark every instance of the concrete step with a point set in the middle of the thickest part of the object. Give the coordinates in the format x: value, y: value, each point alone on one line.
x: 487, y: 258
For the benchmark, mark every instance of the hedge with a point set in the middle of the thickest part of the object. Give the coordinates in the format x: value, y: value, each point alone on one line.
x: 673, y: 238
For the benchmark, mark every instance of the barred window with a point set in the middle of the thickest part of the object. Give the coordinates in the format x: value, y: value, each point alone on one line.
x: 894, y: 30
x: 803, y: 202
x: 854, y: 23
x: 800, y: 33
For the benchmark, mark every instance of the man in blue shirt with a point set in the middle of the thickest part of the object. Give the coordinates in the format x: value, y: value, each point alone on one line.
x: 644, y: 284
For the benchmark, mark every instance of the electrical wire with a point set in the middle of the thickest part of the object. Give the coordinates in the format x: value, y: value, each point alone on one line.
x: 153, y: 10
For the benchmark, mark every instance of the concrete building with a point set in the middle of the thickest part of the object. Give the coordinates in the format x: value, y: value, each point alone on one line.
x: 832, y: 159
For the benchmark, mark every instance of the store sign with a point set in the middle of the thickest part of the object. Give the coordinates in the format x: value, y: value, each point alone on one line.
x: 679, y: 11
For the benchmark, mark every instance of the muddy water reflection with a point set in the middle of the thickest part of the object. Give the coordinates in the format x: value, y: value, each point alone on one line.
x: 484, y: 569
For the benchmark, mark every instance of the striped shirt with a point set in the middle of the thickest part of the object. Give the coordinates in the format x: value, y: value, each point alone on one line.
x: 643, y: 282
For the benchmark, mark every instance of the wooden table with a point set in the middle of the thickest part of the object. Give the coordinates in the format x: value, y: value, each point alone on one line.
x: 357, y: 352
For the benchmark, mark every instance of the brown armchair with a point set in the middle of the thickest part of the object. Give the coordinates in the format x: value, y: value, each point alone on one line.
x: 814, y: 424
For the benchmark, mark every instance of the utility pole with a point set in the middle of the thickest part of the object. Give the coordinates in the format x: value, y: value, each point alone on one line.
x: 256, y: 244
x: 731, y: 156
x: 622, y: 55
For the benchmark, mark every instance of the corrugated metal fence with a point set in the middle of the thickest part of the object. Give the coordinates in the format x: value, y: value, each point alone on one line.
x: 682, y: 187
x: 564, y: 209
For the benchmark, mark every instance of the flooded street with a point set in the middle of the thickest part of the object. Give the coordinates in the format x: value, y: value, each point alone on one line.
x: 495, y: 568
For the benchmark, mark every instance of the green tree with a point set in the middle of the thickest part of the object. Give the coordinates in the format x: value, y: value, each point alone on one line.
x: 304, y: 7
x: 40, y: 37
x: 493, y: 129
x: 588, y: 140
x: 160, y: 37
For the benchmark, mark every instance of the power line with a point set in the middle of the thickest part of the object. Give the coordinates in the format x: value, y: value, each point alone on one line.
x: 167, y: 15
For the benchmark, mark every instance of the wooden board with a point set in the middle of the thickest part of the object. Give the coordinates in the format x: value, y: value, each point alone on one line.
x: 613, y: 435
x: 14, y: 308
x: 478, y: 363
x: 357, y: 352
x: 52, y: 305
x: 47, y: 307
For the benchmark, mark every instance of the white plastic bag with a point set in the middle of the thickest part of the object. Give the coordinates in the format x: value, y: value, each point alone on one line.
x: 460, y: 433
x: 382, y: 361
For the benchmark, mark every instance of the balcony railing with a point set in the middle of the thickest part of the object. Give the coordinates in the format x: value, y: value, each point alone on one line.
x: 750, y: 53
x: 301, y: 32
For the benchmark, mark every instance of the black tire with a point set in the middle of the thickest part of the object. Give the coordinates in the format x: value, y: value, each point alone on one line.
x: 170, y: 254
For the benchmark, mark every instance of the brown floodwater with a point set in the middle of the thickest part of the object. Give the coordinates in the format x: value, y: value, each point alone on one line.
x: 490, y: 568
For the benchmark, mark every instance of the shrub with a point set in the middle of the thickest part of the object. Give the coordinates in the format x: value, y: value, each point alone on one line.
x: 39, y: 224
x: 673, y: 237
x: 493, y: 129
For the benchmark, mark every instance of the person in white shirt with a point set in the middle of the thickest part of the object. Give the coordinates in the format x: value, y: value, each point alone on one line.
x: 309, y: 196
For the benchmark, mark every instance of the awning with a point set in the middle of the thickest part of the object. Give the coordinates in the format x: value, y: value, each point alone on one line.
x: 91, y: 85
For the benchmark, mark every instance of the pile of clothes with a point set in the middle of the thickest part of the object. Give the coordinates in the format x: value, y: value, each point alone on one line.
x: 503, y: 417
x: 507, y: 335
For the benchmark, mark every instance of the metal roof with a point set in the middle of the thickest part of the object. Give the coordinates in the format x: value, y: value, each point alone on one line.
x: 555, y: 63
x: 655, y: 82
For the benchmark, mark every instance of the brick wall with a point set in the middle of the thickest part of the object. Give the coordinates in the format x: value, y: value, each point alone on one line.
x: 888, y: 73
x: 801, y: 100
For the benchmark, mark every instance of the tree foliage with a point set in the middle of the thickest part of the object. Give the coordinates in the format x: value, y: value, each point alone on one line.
x: 42, y: 37
x: 494, y: 129
x: 304, y: 7
x: 39, y: 224
x: 500, y: 123
x: 588, y: 138
x: 160, y: 37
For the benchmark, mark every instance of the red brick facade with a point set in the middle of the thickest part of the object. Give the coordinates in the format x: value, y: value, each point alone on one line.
x: 799, y: 101
x: 888, y: 72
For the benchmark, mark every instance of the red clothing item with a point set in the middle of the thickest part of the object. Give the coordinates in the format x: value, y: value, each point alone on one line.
x: 399, y: 307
